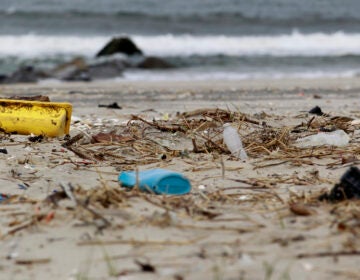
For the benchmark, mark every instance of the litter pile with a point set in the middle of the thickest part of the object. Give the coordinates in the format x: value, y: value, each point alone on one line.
x: 141, y: 141
x: 196, y: 139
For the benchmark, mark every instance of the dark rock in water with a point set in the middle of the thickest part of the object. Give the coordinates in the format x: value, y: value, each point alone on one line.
x: 78, y: 76
x: 78, y: 70
x: 153, y: 62
x: 78, y: 63
x: 23, y: 75
x: 26, y: 74
x: 3, y: 78
x: 348, y: 188
x: 71, y: 71
x: 110, y: 106
x: 316, y: 111
x: 107, y: 69
x: 120, y: 45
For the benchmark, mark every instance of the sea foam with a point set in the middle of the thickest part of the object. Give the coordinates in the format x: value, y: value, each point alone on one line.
x: 294, y: 44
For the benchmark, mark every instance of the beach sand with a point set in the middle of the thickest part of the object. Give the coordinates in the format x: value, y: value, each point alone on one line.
x: 235, y: 224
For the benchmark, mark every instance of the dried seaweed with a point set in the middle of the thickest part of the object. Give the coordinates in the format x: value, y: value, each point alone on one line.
x: 265, y: 200
x: 142, y: 141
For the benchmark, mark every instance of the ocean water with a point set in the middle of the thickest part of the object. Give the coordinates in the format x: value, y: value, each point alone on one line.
x: 205, y: 39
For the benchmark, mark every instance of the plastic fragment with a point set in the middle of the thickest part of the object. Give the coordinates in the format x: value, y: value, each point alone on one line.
x: 336, y: 138
x: 233, y: 142
x: 157, y: 181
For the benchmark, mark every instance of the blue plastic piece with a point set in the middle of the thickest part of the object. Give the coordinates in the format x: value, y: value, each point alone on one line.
x: 158, y: 181
x: 4, y: 197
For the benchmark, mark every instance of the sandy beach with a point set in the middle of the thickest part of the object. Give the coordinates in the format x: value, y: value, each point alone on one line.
x: 258, y: 219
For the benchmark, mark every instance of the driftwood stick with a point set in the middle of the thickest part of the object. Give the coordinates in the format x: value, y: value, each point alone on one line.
x: 328, y: 254
x: 136, y: 242
x: 32, y: 261
x: 158, y: 126
x: 73, y: 140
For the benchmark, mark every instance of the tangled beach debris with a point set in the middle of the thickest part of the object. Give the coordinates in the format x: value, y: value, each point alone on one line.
x: 236, y: 198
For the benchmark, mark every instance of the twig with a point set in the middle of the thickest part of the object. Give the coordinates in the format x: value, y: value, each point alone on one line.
x: 69, y: 192
x: 195, y: 148
x: 213, y: 143
x: 253, y: 183
x: 137, y: 242
x: 32, y: 261
x: 222, y: 167
x: 221, y: 228
x: 310, y: 121
x: 33, y: 221
x: 328, y: 254
x: 79, y: 153
x: 73, y: 140
x: 270, y: 164
x: 158, y: 126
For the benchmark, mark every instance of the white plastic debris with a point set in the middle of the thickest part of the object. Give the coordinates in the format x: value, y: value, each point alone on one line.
x: 233, y: 142
x: 28, y: 166
x: 202, y: 187
x: 308, y: 266
x: 75, y: 119
x: 337, y: 138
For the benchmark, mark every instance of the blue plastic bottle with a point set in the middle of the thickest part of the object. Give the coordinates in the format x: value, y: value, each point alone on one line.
x: 158, y: 181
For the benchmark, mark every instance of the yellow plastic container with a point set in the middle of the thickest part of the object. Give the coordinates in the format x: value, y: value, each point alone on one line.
x: 35, y: 117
